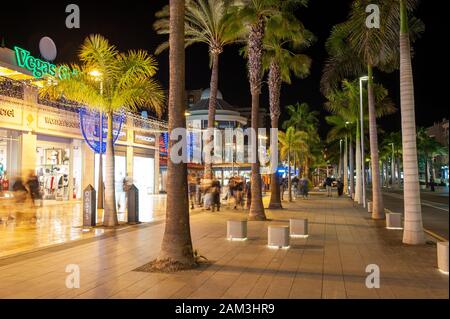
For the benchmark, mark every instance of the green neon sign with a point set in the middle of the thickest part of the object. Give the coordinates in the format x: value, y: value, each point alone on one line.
x: 38, y: 67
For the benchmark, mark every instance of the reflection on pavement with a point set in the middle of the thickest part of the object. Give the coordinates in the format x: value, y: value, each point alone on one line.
x: 58, y: 222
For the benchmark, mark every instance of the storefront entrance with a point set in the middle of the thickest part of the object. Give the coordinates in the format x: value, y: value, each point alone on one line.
x: 58, y: 168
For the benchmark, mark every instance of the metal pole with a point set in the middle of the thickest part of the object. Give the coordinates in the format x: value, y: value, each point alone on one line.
x: 363, y: 174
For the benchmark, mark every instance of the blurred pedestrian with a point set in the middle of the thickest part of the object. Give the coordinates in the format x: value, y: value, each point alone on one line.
x: 34, y: 189
x: 215, y: 190
x: 328, y: 184
x: 192, y: 189
x: 248, y: 190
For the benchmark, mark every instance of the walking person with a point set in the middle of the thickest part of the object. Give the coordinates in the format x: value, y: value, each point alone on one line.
x: 340, y: 188
x: 215, y: 190
x: 248, y: 190
x: 238, y: 188
x: 328, y: 184
x: 34, y: 189
x: 432, y: 184
x: 305, y: 189
x: 283, y: 186
x: 192, y: 188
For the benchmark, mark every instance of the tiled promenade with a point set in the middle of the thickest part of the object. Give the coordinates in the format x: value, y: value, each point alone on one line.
x: 330, y: 263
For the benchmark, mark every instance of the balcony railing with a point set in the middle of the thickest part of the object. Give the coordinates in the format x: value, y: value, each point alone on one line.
x: 11, y: 88
x: 15, y: 89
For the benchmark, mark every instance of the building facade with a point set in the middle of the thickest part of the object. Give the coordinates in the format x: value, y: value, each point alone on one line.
x: 439, y: 131
x: 43, y: 137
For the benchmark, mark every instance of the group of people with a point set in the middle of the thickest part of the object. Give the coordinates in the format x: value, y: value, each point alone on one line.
x: 300, y: 186
x: 328, y: 184
x: 206, y: 192
x: 26, y: 197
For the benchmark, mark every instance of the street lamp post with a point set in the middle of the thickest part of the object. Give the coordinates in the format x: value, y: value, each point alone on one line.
x: 361, y: 112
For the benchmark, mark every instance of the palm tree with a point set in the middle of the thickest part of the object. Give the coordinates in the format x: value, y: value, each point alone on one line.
x: 345, y: 102
x: 280, y: 59
x: 355, y: 47
x: 291, y: 141
x: 428, y: 148
x: 341, y: 129
x: 176, y: 248
x: 255, y: 15
x: 208, y: 22
x: 413, y: 227
x: 126, y: 83
x: 303, y: 119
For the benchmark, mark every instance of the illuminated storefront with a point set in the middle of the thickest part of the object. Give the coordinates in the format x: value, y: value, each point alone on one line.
x: 45, y: 138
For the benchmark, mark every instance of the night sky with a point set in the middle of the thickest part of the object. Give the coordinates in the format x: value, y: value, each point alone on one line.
x: 128, y: 25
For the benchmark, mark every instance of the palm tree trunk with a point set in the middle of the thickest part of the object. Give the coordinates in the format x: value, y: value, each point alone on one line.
x: 306, y: 169
x: 255, y: 51
x: 377, y: 199
x: 345, y: 167
x: 214, y: 84
x: 392, y: 171
x: 358, y: 188
x: 399, y: 172
x: 274, y: 101
x: 352, y: 169
x: 295, y: 164
x: 413, y: 228
x: 101, y: 188
x: 110, y: 212
x: 176, y: 247
x: 289, y: 177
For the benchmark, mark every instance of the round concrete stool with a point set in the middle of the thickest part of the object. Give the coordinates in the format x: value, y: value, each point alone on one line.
x: 278, y: 236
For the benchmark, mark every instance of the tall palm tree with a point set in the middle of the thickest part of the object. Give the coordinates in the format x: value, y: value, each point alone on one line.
x: 176, y: 248
x: 208, y: 22
x: 281, y: 60
x: 255, y: 15
x: 345, y: 101
x: 428, y: 148
x: 341, y: 130
x: 303, y: 119
x: 291, y: 141
x: 127, y: 83
x: 413, y: 226
x: 355, y: 47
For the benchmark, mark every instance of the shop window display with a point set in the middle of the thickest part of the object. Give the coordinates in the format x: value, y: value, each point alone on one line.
x: 53, y: 173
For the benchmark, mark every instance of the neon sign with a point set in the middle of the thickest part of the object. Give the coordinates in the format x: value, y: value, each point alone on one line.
x: 38, y: 67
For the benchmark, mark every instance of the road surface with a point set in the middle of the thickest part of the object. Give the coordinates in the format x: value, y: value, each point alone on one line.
x: 434, y: 208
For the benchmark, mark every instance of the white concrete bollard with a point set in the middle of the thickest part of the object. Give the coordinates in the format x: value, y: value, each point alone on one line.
x: 298, y: 227
x: 278, y: 236
x: 394, y: 221
x: 442, y: 256
x: 237, y: 230
x: 369, y: 206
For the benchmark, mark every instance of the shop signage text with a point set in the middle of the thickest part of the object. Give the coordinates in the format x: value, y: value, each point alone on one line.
x: 11, y: 114
x: 38, y: 67
x: 143, y: 138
